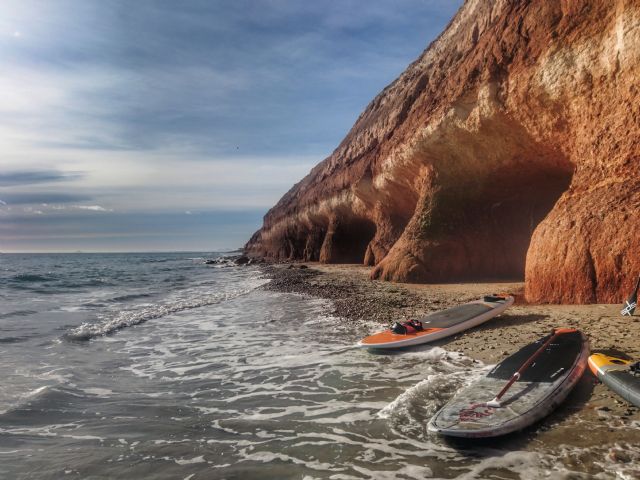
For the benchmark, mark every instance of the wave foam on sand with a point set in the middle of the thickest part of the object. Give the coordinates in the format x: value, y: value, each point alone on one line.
x: 129, y: 318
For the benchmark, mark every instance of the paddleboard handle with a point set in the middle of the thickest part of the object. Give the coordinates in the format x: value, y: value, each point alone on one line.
x: 495, y: 403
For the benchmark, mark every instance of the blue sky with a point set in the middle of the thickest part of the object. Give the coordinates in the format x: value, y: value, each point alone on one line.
x: 175, y: 125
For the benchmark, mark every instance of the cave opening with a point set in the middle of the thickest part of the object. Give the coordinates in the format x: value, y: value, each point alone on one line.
x: 489, y: 236
x: 346, y: 241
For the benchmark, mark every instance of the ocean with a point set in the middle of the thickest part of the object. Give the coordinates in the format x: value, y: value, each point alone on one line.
x: 158, y: 366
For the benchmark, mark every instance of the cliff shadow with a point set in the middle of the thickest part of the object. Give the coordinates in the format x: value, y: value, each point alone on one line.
x: 508, y: 320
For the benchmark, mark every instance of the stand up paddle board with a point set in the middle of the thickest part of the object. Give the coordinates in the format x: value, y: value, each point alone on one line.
x: 618, y: 375
x: 519, y: 391
x: 442, y: 324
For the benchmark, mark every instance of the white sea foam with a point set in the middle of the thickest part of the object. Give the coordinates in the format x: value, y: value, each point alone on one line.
x: 101, y: 392
x: 72, y: 309
x: 525, y: 464
x: 52, y: 430
x: 145, y: 312
x: 9, y: 452
x: 417, y: 404
x: 35, y: 391
x: 84, y: 437
x: 19, y: 399
x: 268, y: 457
x: 190, y: 461
x: 417, y: 472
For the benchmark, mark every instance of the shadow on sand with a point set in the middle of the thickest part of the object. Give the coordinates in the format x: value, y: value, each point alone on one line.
x: 507, y: 320
x: 493, y: 324
x: 613, y: 352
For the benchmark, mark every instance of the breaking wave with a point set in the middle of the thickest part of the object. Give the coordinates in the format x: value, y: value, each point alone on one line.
x: 30, y: 278
x: 129, y: 318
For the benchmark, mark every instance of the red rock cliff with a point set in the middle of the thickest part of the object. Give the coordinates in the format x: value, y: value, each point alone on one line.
x: 510, y: 148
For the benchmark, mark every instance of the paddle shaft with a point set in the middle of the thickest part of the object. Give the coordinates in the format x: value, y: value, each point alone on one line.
x: 634, y: 295
x: 630, y: 304
x: 516, y: 376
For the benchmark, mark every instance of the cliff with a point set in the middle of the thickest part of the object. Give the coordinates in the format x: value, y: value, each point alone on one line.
x: 509, y: 148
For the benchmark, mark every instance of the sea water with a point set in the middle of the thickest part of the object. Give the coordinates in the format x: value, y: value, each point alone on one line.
x: 157, y: 366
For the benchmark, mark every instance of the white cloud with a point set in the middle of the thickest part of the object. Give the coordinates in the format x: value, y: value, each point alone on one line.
x: 93, y: 208
x: 43, y: 118
x: 33, y: 211
x: 157, y: 125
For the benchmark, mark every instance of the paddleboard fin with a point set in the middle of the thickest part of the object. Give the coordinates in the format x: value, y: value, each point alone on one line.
x: 494, y: 298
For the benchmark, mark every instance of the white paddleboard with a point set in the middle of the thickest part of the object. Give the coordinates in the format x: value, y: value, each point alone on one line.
x: 537, y: 392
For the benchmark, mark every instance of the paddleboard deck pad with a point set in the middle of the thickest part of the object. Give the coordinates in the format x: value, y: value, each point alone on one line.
x: 616, y: 373
x: 442, y: 324
x: 539, y: 390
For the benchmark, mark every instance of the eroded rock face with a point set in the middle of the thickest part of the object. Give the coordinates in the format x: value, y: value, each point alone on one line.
x: 511, y: 147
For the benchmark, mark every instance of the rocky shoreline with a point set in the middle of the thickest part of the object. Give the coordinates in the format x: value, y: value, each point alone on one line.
x: 352, y: 298
x: 356, y: 298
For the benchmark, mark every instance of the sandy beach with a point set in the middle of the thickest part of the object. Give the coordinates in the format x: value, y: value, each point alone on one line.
x: 358, y: 299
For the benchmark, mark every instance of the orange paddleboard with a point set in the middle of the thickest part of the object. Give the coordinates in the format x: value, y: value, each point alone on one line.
x: 442, y: 324
x: 389, y: 337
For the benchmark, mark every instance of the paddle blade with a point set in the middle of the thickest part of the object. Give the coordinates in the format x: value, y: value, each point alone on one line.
x: 632, y: 302
x: 629, y: 308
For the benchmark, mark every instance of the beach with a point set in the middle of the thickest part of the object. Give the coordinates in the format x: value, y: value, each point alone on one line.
x: 188, y: 365
x: 358, y: 299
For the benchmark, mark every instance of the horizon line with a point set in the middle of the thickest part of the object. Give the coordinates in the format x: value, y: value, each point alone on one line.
x: 41, y: 252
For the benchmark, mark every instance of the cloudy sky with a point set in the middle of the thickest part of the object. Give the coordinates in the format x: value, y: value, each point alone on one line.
x: 175, y: 125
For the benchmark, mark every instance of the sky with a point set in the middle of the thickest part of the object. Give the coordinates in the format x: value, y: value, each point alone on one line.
x: 171, y: 125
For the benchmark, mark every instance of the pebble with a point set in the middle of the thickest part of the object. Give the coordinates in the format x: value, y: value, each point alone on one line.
x: 619, y: 456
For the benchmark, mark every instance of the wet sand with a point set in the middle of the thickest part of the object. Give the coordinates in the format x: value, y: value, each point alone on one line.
x: 591, y: 419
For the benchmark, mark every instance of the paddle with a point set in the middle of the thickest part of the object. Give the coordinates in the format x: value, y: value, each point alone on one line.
x: 632, y: 301
x: 495, y: 403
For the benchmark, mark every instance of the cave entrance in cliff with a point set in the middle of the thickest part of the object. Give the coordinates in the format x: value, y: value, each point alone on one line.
x: 346, y: 241
x: 505, y: 217
x: 478, y: 227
